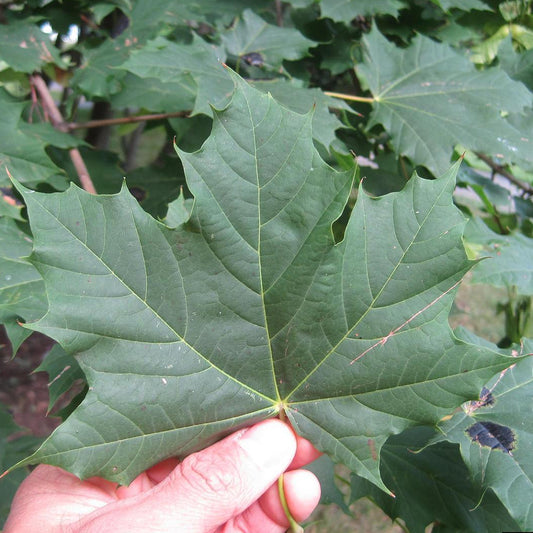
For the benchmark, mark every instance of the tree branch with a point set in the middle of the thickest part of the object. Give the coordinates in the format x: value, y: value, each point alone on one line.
x: 50, y: 108
x: 70, y: 126
x: 81, y: 169
x: 279, y: 13
x: 57, y: 121
x: 505, y: 173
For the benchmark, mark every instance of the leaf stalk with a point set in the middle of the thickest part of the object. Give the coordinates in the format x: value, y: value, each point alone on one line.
x: 294, y: 527
x: 351, y: 97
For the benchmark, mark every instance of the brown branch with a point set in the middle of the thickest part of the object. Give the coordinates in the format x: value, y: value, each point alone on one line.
x: 69, y: 126
x: 57, y: 121
x: 81, y: 169
x: 505, y: 173
x: 279, y: 13
x: 131, y: 146
x: 47, y: 101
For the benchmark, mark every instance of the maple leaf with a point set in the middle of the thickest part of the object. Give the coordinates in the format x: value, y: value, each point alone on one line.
x: 494, y: 435
x: 249, y: 309
x: 21, y: 287
x: 21, y: 152
x: 429, y: 88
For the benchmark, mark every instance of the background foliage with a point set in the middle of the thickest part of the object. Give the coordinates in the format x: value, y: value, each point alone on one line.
x: 94, y: 92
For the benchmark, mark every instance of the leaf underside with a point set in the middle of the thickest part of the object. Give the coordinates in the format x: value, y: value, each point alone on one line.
x: 249, y: 308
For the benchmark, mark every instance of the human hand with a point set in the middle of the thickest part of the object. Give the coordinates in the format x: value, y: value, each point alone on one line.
x: 227, y: 487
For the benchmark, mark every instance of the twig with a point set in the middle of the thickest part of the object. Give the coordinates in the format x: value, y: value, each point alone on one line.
x: 131, y: 146
x: 56, y: 119
x: 81, y: 169
x: 69, y: 126
x: 279, y: 13
x: 351, y: 97
x: 48, y: 103
x: 404, y: 169
x: 505, y: 173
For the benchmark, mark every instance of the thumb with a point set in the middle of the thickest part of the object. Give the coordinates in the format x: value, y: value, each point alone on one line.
x: 212, y: 486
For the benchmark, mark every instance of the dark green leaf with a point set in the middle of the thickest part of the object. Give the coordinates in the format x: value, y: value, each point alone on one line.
x: 387, y: 177
x: 432, y: 484
x: 209, y: 10
x: 346, y: 10
x: 177, y: 63
x: 22, y: 295
x: 46, y: 134
x: 153, y: 186
x: 178, y: 212
x: 191, y: 132
x: 155, y: 95
x: 157, y: 185
x: 465, y: 5
x: 12, y: 451
x: 63, y: 371
x: 250, y: 310
x: 510, y: 257
x: 102, y: 9
x: 518, y: 66
x: 25, y: 48
x: 338, y: 54
x: 496, y: 438
x: 21, y: 154
x: 429, y: 99
x: 303, y: 100
x: 253, y: 35
x: 324, y: 470
x: 103, y: 166
x: 301, y: 3
x: 100, y: 75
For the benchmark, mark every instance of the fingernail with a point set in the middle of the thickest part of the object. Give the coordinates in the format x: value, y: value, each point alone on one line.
x: 270, y: 444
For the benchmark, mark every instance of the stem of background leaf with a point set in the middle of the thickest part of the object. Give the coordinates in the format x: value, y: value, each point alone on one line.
x: 352, y: 97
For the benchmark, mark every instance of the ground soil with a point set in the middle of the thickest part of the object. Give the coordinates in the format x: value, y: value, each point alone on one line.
x: 22, y: 391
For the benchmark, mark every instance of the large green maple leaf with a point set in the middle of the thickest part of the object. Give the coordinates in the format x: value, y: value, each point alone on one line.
x: 249, y: 309
x: 429, y: 99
